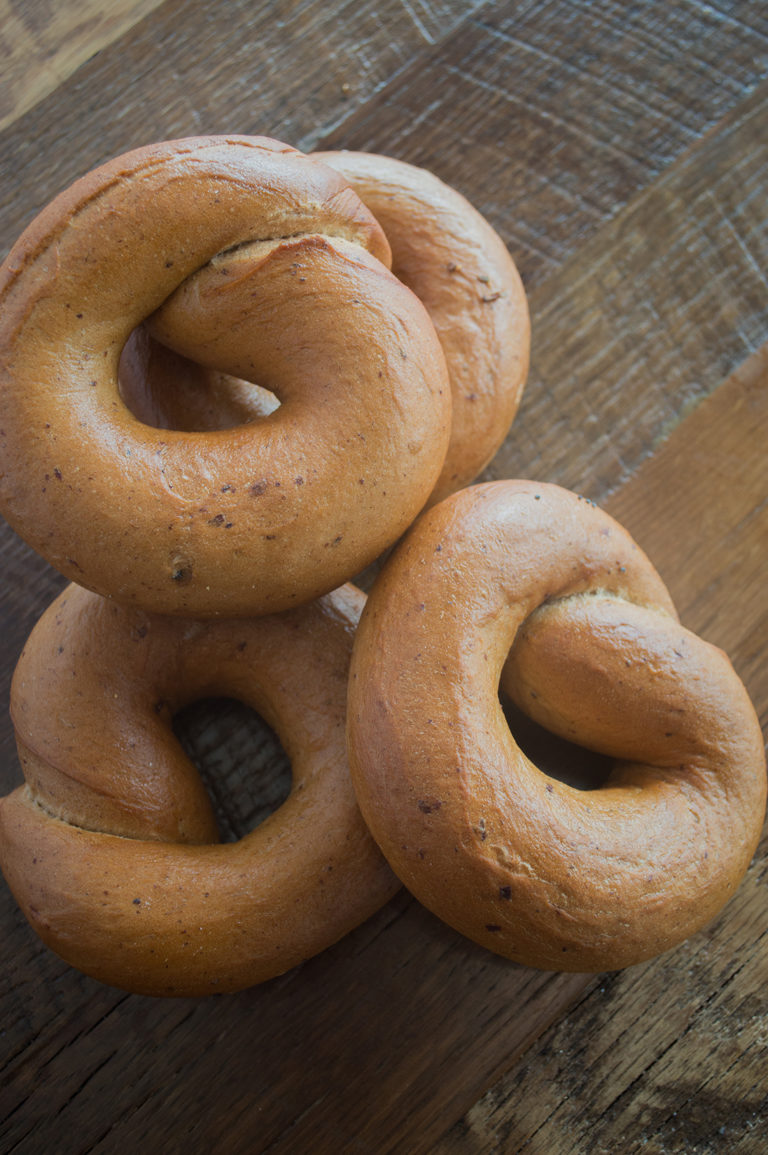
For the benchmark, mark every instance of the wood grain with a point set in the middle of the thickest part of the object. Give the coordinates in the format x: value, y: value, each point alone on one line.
x: 340, y: 1054
x: 566, y: 109
x: 42, y: 42
x: 290, y: 70
x: 620, y: 151
x: 669, y: 1057
x: 650, y: 316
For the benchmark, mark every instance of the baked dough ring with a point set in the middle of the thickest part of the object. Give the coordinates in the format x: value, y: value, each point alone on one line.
x: 443, y: 250
x: 457, y: 264
x: 538, y: 871
x: 233, y: 522
x: 109, y: 847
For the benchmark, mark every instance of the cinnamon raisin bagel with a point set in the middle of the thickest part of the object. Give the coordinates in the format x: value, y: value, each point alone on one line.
x: 111, y: 848
x: 530, y: 585
x: 251, y: 519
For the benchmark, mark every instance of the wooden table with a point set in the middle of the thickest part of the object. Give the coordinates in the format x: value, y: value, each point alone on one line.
x: 620, y: 150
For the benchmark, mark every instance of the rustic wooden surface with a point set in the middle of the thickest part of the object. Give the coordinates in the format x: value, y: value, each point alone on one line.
x: 620, y: 150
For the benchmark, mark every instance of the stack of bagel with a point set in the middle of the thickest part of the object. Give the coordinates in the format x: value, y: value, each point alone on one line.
x: 231, y: 377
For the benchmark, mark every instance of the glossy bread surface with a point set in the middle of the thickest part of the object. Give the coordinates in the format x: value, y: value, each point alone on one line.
x: 534, y: 869
x: 110, y: 847
x: 251, y: 519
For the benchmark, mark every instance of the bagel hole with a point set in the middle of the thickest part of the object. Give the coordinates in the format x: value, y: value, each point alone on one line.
x: 556, y: 757
x: 165, y: 390
x: 240, y: 759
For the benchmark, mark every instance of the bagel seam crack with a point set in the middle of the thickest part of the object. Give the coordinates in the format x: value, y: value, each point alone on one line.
x: 597, y: 592
x: 325, y: 234
x: 37, y: 803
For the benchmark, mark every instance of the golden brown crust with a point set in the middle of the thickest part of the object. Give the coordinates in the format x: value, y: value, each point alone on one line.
x: 527, y: 866
x: 456, y: 263
x: 109, y: 849
x: 298, y: 501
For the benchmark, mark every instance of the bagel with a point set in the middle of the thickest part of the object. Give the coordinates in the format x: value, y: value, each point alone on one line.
x: 443, y: 250
x: 246, y: 520
x: 459, y: 267
x: 110, y: 846
x: 531, y: 586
